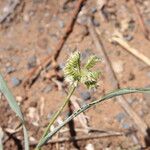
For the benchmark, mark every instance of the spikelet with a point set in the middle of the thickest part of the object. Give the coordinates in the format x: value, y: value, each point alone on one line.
x: 72, y: 68
x: 74, y: 73
x: 92, y: 62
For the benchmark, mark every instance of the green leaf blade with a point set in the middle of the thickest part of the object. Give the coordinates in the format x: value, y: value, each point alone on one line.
x: 87, y: 106
x: 10, y: 98
x: 15, y: 107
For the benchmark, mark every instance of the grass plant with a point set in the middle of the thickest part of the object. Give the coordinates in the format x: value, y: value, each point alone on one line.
x: 75, y: 73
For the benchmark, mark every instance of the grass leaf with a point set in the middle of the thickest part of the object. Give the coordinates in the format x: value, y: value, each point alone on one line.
x: 10, y: 98
x: 14, y: 106
x: 87, y: 106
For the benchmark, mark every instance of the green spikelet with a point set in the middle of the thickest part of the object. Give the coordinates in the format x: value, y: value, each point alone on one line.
x: 72, y: 68
x: 90, y: 78
x: 92, y: 62
x: 74, y: 73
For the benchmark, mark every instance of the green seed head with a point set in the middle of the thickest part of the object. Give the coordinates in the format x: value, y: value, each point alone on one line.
x: 74, y: 73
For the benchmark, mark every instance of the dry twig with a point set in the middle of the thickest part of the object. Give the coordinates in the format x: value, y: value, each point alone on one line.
x: 86, y: 137
x: 119, y: 39
x: 114, y: 82
x: 52, y: 58
x: 9, y: 9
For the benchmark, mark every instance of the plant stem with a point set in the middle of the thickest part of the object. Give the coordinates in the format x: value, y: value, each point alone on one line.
x: 57, y: 114
x: 87, y: 106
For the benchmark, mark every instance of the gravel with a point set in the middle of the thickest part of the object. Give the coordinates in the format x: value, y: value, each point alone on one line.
x: 31, y: 62
x: 126, y: 125
x: 120, y: 117
x: 95, y: 22
x: 93, y: 10
x: 47, y: 89
x: 15, y: 81
x: 10, y: 69
x: 85, y: 95
x: 61, y: 24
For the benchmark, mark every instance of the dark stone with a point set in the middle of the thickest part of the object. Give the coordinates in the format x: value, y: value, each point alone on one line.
x: 15, y: 81
x: 33, y: 104
x: 86, y: 53
x: 93, y: 10
x: 85, y: 95
x: 120, y: 117
x: 131, y: 25
x: 128, y: 37
x: 126, y: 125
x: 95, y: 22
x: 31, y: 62
x: 47, y: 89
x: 131, y: 77
x: 10, y: 69
x: 61, y: 24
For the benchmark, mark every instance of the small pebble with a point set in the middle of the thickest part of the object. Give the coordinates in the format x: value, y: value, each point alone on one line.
x: 33, y: 115
x: 120, y: 117
x: 15, y: 81
x: 118, y: 66
x: 47, y: 89
x: 93, y: 10
x: 33, y: 104
x: 85, y: 54
x: 61, y: 24
x: 85, y: 95
x: 82, y: 19
x: 53, y: 36
x: 10, y: 69
x: 40, y: 29
x: 128, y: 37
x: 89, y: 146
x: 26, y: 18
x: 131, y: 77
x: 19, y: 99
x: 126, y: 125
x: 50, y: 115
x: 130, y: 101
x: 31, y: 62
x: 131, y: 25
x: 61, y: 65
x: 95, y: 22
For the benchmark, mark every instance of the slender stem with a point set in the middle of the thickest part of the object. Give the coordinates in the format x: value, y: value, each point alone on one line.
x: 57, y: 114
x: 87, y: 106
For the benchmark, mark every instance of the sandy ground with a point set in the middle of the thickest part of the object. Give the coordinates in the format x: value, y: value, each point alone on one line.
x: 33, y: 30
